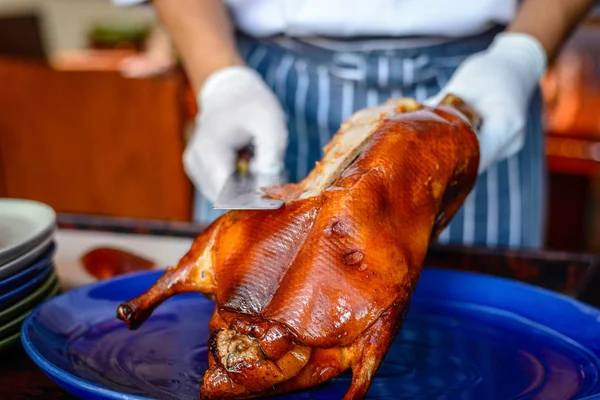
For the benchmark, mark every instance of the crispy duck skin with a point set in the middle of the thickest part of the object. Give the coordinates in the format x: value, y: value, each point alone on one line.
x: 323, y: 284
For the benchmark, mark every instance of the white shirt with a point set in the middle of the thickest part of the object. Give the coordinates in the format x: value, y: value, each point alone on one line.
x: 348, y: 18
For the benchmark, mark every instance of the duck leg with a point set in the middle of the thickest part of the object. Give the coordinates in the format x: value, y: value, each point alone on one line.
x: 368, y: 352
x: 193, y: 273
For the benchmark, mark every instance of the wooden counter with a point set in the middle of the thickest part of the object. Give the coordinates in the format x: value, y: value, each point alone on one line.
x: 93, y: 142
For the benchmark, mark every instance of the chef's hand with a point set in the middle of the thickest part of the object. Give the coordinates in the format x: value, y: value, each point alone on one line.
x: 498, y: 83
x: 235, y: 109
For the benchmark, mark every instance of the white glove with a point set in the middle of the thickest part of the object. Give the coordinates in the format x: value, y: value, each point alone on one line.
x: 498, y: 83
x: 236, y: 109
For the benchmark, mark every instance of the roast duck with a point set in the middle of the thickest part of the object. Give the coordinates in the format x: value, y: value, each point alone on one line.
x: 323, y: 284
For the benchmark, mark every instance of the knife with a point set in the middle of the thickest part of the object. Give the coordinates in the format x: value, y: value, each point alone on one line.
x: 242, y: 190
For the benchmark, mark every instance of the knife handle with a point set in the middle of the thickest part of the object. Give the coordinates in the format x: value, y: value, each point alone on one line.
x: 466, y: 109
x: 243, y: 160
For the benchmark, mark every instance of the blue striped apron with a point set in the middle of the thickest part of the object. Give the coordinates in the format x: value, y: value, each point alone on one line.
x: 321, y: 88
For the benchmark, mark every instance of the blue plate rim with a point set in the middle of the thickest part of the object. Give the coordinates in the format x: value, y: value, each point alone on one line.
x: 40, y: 262
x: 58, y: 374
x: 17, y: 264
x: 28, y: 286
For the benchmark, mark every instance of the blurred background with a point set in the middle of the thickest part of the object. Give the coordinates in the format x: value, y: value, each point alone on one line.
x: 81, y: 136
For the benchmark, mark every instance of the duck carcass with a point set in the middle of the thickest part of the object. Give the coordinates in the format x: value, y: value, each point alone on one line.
x: 323, y: 284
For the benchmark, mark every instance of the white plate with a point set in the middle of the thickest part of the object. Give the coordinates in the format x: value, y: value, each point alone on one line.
x: 72, y: 244
x: 23, y: 225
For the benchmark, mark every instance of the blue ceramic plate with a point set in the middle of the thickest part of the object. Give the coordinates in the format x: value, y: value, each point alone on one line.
x: 467, y: 336
x: 18, y: 292
x: 38, y: 266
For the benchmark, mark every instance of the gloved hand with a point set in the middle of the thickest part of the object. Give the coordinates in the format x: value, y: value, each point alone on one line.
x: 498, y: 83
x: 236, y: 109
